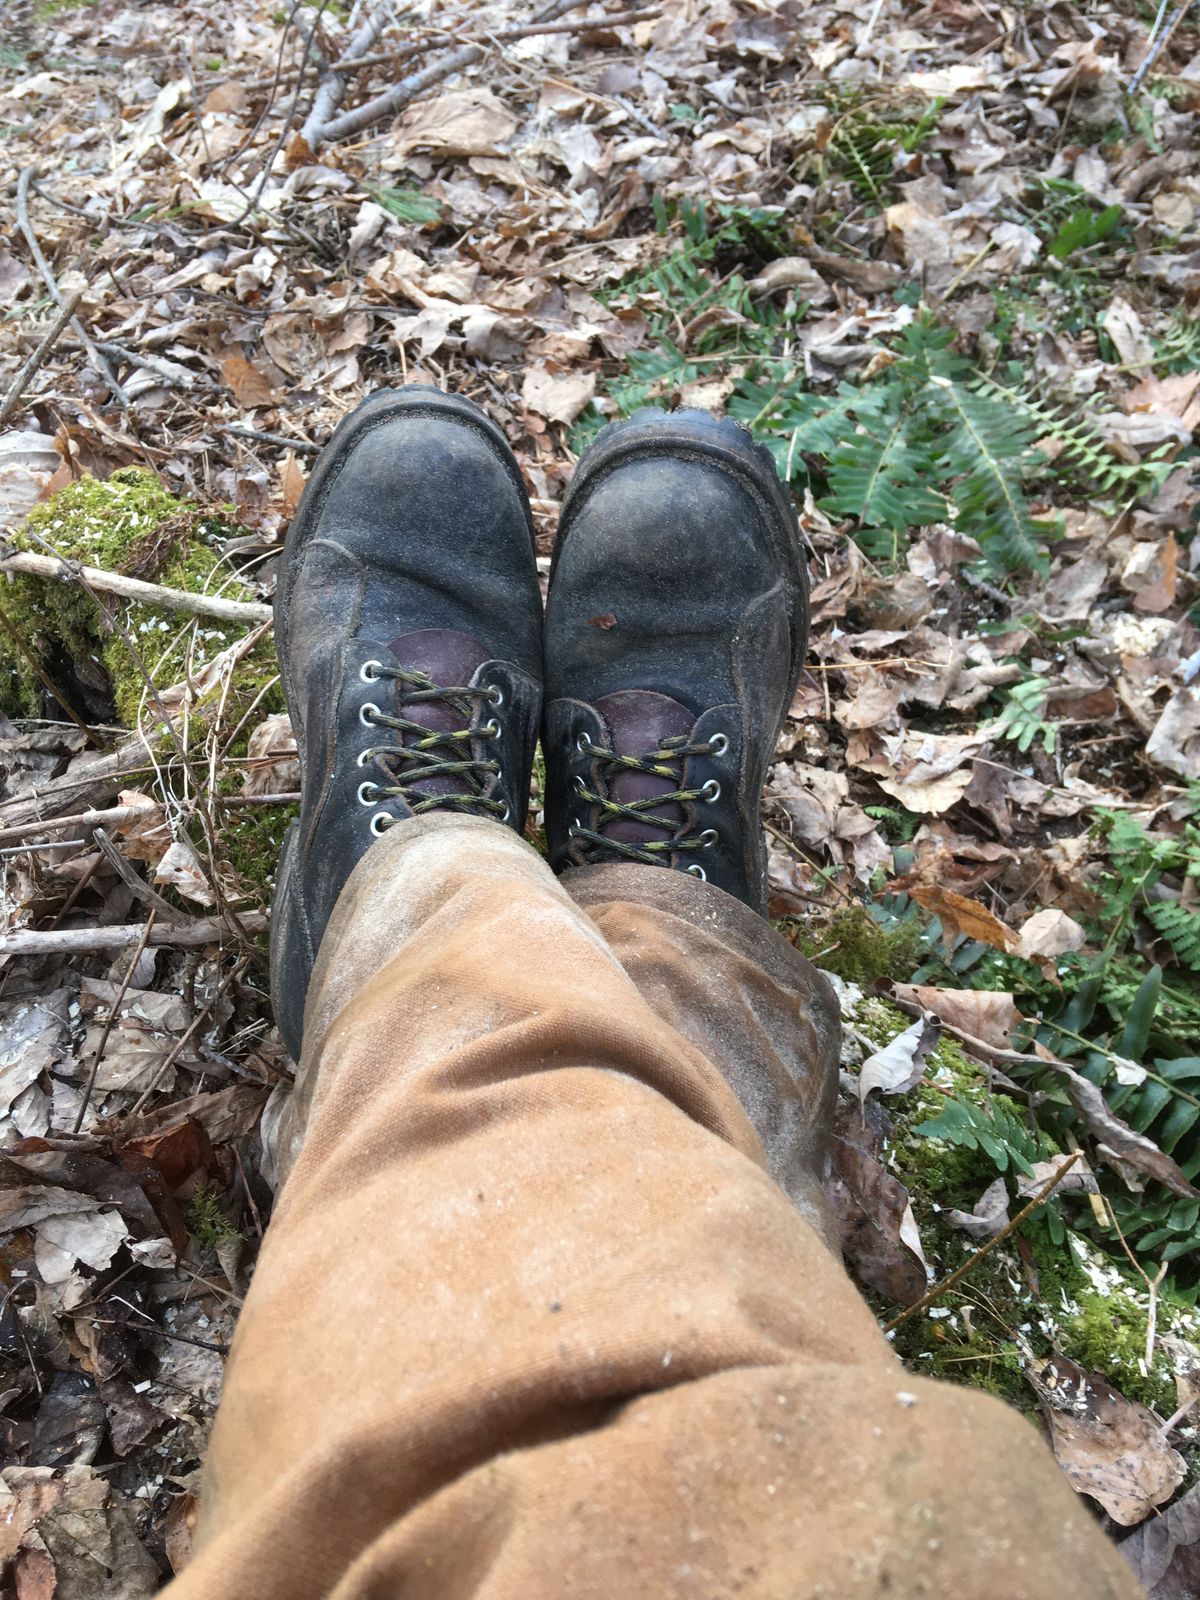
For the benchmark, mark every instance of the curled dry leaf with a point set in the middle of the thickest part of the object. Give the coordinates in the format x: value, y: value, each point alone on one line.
x: 272, y: 749
x: 900, y: 1065
x: 1049, y: 933
x: 1110, y: 1448
x: 879, y: 1234
x: 989, y: 1215
x: 68, y: 1534
x: 557, y: 396
x: 961, y: 915
x: 985, y: 1014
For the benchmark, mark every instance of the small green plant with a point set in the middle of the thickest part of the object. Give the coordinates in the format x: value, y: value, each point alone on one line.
x: 1023, y: 715
x: 409, y: 205
x: 867, y: 151
x: 1083, y: 229
x: 995, y: 1128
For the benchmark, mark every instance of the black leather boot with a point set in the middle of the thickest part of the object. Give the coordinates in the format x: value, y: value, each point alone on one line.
x: 675, y: 633
x: 408, y: 625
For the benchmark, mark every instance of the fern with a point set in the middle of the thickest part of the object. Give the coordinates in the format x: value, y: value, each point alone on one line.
x: 1023, y: 718
x: 988, y: 452
x: 995, y: 1129
x: 1180, y: 927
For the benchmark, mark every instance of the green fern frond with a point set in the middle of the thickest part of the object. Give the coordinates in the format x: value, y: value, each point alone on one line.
x: 987, y: 452
x: 1180, y: 927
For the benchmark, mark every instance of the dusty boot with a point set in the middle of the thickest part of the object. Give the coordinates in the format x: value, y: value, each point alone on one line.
x: 408, y: 627
x: 675, y: 633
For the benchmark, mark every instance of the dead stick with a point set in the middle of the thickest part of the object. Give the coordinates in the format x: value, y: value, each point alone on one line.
x: 150, y: 594
x: 117, y: 816
x: 87, y: 941
x: 51, y: 282
x: 47, y: 342
x: 618, y: 19
x: 415, y: 84
x: 110, y: 1021
x: 939, y: 1289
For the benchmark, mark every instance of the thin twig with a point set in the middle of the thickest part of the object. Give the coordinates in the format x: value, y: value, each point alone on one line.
x: 181, y: 1043
x: 110, y: 1021
x: 416, y: 83
x: 132, y: 880
x: 150, y: 594
x: 119, y: 816
x: 331, y: 87
x: 43, y: 348
x: 51, y: 282
x: 87, y: 941
x: 304, y: 446
x: 939, y: 1289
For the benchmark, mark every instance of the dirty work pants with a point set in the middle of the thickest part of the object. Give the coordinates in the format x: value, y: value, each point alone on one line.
x: 535, y: 1317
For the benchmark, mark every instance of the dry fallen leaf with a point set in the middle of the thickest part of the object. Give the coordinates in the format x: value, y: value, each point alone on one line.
x: 1049, y: 933
x: 900, y: 1065
x: 1110, y: 1448
x: 251, y: 388
x: 1165, y: 1551
x: 960, y: 915
x: 983, y: 1013
x: 988, y: 1216
x: 557, y: 396
x: 879, y: 1234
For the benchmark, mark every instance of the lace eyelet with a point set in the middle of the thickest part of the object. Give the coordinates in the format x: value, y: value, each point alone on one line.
x: 697, y: 871
x: 368, y: 794
x: 583, y: 744
x: 380, y: 823
x: 495, y: 696
x: 368, y: 722
x: 573, y: 830
x: 490, y: 729
x: 580, y: 785
x: 362, y: 758
x: 709, y: 838
x: 506, y: 814
x: 710, y: 792
x: 718, y: 744
x: 366, y: 674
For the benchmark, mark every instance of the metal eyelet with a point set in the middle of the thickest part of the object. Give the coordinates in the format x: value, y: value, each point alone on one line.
x: 368, y: 722
x: 697, y: 871
x: 573, y: 830
x: 380, y: 823
x: 490, y: 729
x: 362, y: 758
x: 499, y: 777
x: 495, y: 696
x: 366, y: 675
x: 580, y: 785
x: 718, y: 744
x: 709, y: 838
x: 711, y: 791
x: 583, y: 744
x: 506, y: 814
x: 368, y: 794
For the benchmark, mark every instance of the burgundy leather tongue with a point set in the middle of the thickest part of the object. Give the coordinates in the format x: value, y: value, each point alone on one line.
x: 638, y: 719
x: 451, y: 660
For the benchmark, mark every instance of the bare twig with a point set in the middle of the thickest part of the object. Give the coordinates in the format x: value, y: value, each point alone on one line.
x: 110, y: 1022
x: 303, y: 445
x: 44, y: 346
x: 331, y: 86
x: 939, y: 1289
x: 98, y: 361
x: 399, y: 95
x: 87, y: 941
x: 151, y: 594
x: 133, y: 881
x: 118, y: 816
x: 1159, y: 42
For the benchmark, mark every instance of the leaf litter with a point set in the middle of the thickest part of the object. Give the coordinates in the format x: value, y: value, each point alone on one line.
x: 947, y: 265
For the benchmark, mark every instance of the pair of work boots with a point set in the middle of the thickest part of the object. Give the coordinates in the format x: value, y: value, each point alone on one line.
x: 420, y: 672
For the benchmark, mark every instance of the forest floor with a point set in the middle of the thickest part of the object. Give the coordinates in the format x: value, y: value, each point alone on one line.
x: 945, y: 261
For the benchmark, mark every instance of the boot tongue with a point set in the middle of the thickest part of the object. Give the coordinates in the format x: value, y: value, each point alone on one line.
x: 638, y: 720
x: 451, y: 660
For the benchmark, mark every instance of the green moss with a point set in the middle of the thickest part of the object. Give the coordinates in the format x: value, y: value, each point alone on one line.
x: 851, y: 944
x: 131, y: 522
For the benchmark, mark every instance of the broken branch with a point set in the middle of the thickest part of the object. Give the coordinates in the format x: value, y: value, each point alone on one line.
x: 87, y: 941
x: 152, y: 594
x: 47, y: 342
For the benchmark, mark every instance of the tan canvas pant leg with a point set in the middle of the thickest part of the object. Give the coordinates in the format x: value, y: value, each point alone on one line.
x: 533, y: 1320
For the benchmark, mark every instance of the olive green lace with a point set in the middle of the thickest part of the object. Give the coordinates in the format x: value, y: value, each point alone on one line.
x: 665, y: 762
x: 434, y: 753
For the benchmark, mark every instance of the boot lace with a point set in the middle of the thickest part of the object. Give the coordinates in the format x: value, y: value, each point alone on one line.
x: 432, y: 752
x: 593, y: 845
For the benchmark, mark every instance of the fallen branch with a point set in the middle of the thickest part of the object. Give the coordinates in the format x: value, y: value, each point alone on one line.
x: 114, y: 817
x: 151, y: 594
x: 47, y: 342
x: 399, y: 95
x: 114, y: 1012
x: 89, y: 941
x: 939, y: 1289
x: 51, y: 282
x: 529, y: 30
x: 331, y: 86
